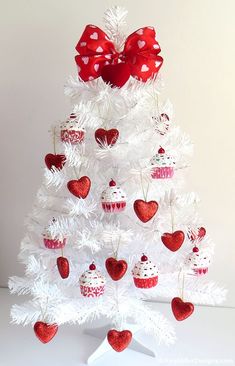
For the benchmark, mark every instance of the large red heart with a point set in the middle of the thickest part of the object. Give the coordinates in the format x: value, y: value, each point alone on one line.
x: 116, y: 75
x: 80, y: 187
x: 63, y: 267
x: 119, y: 340
x: 116, y: 268
x: 173, y: 241
x: 108, y: 137
x: 145, y: 210
x: 45, y: 332
x: 181, y: 309
x: 55, y: 161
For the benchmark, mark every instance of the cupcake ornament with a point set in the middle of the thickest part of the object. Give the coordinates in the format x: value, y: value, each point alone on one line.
x: 198, y: 261
x: 49, y: 241
x: 92, y: 282
x: 71, y: 130
x: 163, y: 165
x: 145, y: 273
x: 113, y: 198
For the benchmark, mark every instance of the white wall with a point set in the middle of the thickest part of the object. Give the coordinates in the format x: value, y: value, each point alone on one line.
x: 37, y: 50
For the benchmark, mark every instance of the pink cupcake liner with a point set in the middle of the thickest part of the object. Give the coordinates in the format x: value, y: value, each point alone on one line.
x: 54, y: 243
x: 72, y: 136
x: 162, y: 173
x: 113, y: 206
x: 145, y: 282
x: 200, y: 271
x: 88, y: 291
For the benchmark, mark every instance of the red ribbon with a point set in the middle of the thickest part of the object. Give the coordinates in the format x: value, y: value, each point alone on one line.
x: 140, y: 52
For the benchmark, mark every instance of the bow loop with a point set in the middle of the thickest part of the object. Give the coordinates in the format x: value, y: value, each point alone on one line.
x: 96, y: 50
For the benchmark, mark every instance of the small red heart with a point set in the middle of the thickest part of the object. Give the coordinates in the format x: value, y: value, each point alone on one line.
x: 63, y: 267
x: 45, y: 332
x: 173, y: 241
x: 55, y: 161
x: 119, y: 340
x: 145, y: 210
x: 108, y: 137
x: 181, y: 309
x: 201, y: 232
x: 116, y: 75
x: 116, y: 268
x: 80, y: 187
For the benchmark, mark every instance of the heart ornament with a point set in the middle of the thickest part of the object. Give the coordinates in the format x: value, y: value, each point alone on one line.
x: 63, y: 267
x: 198, y: 234
x: 45, y: 332
x: 79, y: 187
x: 116, y: 268
x: 108, y: 137
x: 181, y: 310
x: 119, y: 340
x: 55, y: 161
x: 145, y: 210
x: 173, y: 241
x: 116, y: 75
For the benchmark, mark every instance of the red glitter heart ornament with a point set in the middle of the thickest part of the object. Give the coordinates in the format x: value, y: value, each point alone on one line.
x: 119, y: 340
x: 117, y: 75
x: 79, y: 187
x: 63, y: 267
x: 181, y: 310
x: 173, y: 241
x: 108, y: 137
x: 116, y: 268
x: 55, y: 161
x: 45, y: 332
x: 145, y: 210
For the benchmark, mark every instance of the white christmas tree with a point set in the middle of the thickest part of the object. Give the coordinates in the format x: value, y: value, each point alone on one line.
x: 111, y: 227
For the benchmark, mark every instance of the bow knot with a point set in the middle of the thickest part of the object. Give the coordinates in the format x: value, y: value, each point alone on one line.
x: 140, y: 52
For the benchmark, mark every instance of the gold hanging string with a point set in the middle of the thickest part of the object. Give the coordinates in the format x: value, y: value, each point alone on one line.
x: 117, y: 249
x: 172, y: 217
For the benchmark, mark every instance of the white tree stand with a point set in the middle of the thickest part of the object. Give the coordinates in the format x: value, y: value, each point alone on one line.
x: 105, y: 347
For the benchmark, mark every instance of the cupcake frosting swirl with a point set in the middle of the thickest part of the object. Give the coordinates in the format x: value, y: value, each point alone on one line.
x: 144, y: 269
x: 162, y: 160
x: 113, y: 194
x: 71, y: 124
x: 47, y: 230
x: 92, y: 278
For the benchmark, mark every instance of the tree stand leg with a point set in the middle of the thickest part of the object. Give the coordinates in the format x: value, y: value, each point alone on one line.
x: 105, y: 347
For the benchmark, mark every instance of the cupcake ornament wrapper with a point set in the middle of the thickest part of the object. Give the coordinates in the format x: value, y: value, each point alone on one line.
x: 71, y: 130
x: 54, y: 243
x: 162, y: 173
x: 163, y: 165
x: 145, y: 273
x: 88, y: 291
x: 92, y: 282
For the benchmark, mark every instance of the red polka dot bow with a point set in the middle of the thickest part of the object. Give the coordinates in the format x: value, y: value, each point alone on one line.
x: 140, y: 52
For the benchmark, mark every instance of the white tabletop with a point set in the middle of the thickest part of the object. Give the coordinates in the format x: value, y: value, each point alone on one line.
x: 206, y: 338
